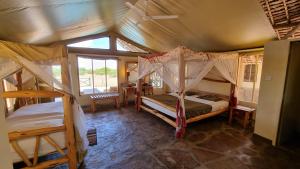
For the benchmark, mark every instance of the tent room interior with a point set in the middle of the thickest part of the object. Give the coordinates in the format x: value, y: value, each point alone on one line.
x: 149, y: 84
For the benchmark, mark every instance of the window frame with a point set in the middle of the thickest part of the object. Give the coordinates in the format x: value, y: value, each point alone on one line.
x: 139, y: 50
x: 258, y: 72
x: 126, y: 69
x: 96, y: 57
x: 252, y: 66
x: 90, y: 39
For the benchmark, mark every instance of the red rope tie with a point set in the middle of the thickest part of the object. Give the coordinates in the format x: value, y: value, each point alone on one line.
x: 180, y: 120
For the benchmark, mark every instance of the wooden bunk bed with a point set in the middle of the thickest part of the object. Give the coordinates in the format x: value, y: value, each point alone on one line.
x: 24, y: 56
x: 42, y: 133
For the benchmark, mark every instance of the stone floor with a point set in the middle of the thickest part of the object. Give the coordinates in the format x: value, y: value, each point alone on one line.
x: 130, y: 140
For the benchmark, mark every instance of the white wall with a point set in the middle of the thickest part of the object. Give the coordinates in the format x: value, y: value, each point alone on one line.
x: 5, y: 155
x: 214, y: 87
x: 271, y: 89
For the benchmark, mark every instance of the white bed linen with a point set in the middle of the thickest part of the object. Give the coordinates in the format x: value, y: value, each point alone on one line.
x: 39, y: 116
x: 159, y: 108
x: 215, y: 105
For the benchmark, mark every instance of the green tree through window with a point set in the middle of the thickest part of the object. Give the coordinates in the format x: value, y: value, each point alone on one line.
x: 97, y: 75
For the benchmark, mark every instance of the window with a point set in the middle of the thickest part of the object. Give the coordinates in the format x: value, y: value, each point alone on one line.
x: 249, y: 78
x: 56, y: 72
x: 249, y: 73
x: 97, y: 75
x: 125, y: 46
x: 9, y: 101
x: 100, y: 43
x: 132, y: 72
x: 155, y: 80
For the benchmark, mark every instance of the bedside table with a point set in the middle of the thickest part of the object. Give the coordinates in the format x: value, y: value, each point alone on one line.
x: 245, y: 113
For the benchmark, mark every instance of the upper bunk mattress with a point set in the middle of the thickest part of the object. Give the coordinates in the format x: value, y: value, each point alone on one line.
x: 36, y: 116
x: 192, y: 108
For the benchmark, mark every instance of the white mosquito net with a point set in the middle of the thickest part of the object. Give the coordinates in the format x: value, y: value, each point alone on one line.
x: 182, y: 69
x: 38, y: 61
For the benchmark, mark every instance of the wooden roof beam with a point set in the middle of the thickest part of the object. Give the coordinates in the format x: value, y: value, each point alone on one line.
x: 292, y: 32
x: 269, y: 11
x: 287, y: 25
x: 104, y: 52
x: 286, y: 10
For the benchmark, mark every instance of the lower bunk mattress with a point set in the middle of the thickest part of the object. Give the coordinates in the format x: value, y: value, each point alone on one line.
x: 194, y: 106
x: 42, y: 116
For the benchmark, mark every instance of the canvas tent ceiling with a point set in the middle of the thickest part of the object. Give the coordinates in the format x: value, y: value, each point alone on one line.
x: 206, y: 25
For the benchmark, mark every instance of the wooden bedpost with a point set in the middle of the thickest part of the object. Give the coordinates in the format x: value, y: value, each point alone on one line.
x: 138, y: 95
x: 232, y: 98
x: 68, y: 115
x: 180, y: 109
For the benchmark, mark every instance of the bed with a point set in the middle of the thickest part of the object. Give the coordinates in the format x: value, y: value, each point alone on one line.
x: 35, y: 124
x: 44, y: 115
x: 197, y: 107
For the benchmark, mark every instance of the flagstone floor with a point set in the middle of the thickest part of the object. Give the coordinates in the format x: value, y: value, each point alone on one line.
x: 131, y: 140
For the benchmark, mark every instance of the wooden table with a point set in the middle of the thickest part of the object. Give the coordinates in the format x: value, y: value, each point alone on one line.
x: 147, y: 90
x: 104, y: 96
x: 131, y: 90
x: 128, y: 90
x: 243, y: 111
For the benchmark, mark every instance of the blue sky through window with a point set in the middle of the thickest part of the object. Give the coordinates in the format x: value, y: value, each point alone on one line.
x: 101, y: 43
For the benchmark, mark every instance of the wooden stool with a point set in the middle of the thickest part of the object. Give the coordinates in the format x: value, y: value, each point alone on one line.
x: 104, y: 96
x: 243, y: 111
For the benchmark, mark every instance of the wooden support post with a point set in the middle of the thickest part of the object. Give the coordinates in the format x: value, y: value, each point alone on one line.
x: 36, y: 150
x: 53, y: 144
x: 49, y: 163
x: 37, y: 88
x: 2, y: 99
x: 113, y: 42
x: 138, y: 95
x: 31, y: 93
x: 21, y: 153
x: 232, y: 98
x: 181, y: 67
x: 70, y: 134
x: 20, y: 101
x: 68, y: 116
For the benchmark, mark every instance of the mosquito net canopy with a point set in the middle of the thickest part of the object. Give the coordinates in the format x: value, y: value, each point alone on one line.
x: 183, y: 69
x: 37, y: 60
x: 182, y: 66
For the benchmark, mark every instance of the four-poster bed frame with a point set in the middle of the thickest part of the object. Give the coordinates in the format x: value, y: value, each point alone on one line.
x: 177, y: 66
x: 172, y: 122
